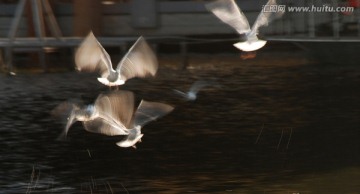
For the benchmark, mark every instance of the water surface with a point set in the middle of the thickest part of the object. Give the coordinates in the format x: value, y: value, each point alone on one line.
x: 281, y: 125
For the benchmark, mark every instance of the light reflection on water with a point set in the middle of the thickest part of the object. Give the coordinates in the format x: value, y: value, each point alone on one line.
x: 309, y: 142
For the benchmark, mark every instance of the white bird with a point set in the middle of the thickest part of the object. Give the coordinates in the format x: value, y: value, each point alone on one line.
x: 228, y: 12
x: 145, y: 113
x: 191, y: 95
x: 113, y: 114
x: 110, y: 114
x: 139, y: 61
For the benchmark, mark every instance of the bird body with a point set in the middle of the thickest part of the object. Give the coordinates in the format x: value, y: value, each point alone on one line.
x: 139, y: 61
x: 250, y: 45
x: 145, y: 113
x: 132, y: 138
x: 108, y: 82
x: 88, y: 113
x: 228, y: 12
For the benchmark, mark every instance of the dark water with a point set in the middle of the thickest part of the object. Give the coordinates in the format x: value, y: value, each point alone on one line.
x: 275, y: 126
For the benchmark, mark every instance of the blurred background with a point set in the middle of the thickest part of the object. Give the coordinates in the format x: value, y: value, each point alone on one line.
x: 174, y: 26
x: 285, y: 119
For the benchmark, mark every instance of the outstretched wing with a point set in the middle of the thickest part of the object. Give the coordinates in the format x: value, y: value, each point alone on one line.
x: 267, y: 16
x: 91, y: 57
x: 180, y: 93
x: 102, y: 126
x: 228, y: 12
x: 65, y: 112
x: 116, y: 107
x: 70, y: 120
x: 139, y: 61
x: 149, y: 111
x: 198, y: 85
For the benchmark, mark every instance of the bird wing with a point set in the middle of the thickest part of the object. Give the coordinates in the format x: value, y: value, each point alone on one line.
x: 103, y: 126
x: 180, y: 93
x: 149, y: 111
x: 139, y: 61
x: 267, y: 16
x: 116, y: 107
x: 65, y: 112
x: 91, y: 57
x: 71, y: 120
x: 198, y: 85
x: 228, y: 12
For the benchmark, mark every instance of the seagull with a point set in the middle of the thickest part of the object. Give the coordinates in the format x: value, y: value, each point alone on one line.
x: 110, y: 114
x: 228, y: 12
x: 191, y: 95
x: 139, y: 61
x: 145, y: 113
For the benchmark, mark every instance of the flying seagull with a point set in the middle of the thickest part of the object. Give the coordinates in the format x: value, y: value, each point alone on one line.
x: 191, y: 95
x: 112, y: 114
x: 139, y: 61
x: 109, y: 115
x: 228, y: 12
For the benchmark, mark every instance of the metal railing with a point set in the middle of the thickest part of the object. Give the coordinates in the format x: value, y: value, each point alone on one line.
x: 296, y: 26
x: 319, y: 23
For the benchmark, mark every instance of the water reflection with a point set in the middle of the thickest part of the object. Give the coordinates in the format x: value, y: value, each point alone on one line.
x: 206, y: 146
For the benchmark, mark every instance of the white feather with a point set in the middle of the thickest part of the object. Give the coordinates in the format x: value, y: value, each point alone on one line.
x: 228, y: 12
x: 139, y: 61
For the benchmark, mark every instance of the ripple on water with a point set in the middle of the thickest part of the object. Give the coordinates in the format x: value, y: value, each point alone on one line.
x: 234, y: 139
